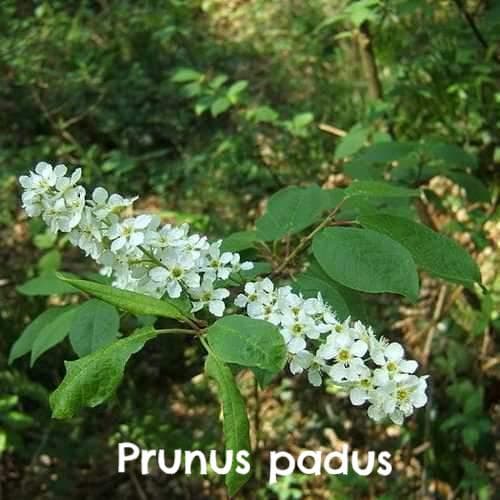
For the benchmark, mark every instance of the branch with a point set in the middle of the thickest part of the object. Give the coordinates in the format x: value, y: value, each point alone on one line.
x: 304, y: 242
x: 472, y: 24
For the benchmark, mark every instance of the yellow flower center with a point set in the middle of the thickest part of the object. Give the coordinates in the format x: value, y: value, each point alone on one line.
x: 344, y: 355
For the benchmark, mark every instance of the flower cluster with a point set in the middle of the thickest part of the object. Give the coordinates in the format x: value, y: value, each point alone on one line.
x: 346, y: 352
x: 142, y: 255
x: 138, y: 252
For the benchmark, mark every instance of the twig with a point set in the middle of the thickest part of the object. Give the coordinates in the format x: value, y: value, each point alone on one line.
x: 330, y: 129
x: 472, y: 24
x: 305, y: 241
x: 138, y: 488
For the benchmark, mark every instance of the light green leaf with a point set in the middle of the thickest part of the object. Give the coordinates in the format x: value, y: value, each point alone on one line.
x: 291, y: 210
x: 235, y: 89
x: 93, y: 379
x: 46, y: 284
x: 366, y: 261
x: 235, y: 419
x: 239, y: 241
x: 53, y: 333
x: 220, y: 105
x: 24, y: 343
x: 433, y: 252
x: 302, y: 120
x: 186, y: 75
x: 352, y: 142
x: 96, y: 325
x: 379, y: 189
x: 135, y: 303
x: 248, y: 342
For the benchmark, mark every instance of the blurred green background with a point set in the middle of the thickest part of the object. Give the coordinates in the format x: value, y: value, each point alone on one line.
x: 205, y: 108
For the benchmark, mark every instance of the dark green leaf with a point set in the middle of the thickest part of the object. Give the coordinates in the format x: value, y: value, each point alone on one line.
x: 379, y: 189
x: 476, y: 191
x: 291, y: 210
x: 310, y: 285
x: 435, y: 253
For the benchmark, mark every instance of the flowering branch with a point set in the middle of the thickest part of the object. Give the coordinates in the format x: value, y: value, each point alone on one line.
x: 143, y: 256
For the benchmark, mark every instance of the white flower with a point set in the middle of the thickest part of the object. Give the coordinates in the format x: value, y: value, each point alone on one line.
x: 128, y: 234
x: 347, y: 353
x: 236, y: 266
x: 362, y: 388
x: 398, y: 399
x: 393, y: 366
x: 103, y: 204
x: 217, y: 264
x: 87, y: 235
x: 206, y: 295
x: 305, y: 360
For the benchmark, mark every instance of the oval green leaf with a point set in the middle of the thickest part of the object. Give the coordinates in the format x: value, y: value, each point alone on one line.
x: 248, y: 342
x: 93, y: 379
x: 366, y: 261
x: 96, y: 325
x: 433, y: 252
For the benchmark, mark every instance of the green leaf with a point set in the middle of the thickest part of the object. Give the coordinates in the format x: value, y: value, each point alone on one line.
x: 366, y: 260
x: 385, y: 152
x: 46, y: 284
x: 433, y: 252
x: 302, y: 120
x: 96, y: 325
x: 186, y: 75
x: 476, y: 191
x: 235, y: 419
x: 310, y: 285
x: 235, y: 89
x: 219, y: 106
x: 352, y: 298
x: 291, y: 210
x: 24, y: 343
x: 239, y: 241
x: 248, y: 342
x: 135, y: 303
x: 379, y: 189
x: 262, y: 114
x: 53, y: 333
x: 352, y: 142
x: 449, y: 155
x: 93, y: 379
